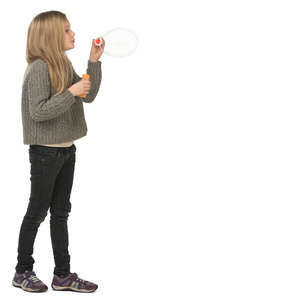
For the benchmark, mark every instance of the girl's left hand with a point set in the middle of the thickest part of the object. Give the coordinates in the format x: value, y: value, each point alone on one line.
x: 96, y: 51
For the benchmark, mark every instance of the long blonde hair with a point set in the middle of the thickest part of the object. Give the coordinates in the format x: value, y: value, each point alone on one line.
x: 45, y: 40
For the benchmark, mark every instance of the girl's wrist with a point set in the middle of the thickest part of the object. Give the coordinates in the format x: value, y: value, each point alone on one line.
x: 70, y: 90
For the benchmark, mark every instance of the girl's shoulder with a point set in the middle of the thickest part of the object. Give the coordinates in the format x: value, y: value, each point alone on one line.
x: 38, y: 65
x: 37, y: 68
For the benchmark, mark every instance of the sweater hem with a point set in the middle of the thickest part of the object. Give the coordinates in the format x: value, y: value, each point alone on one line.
x: 55, y: 141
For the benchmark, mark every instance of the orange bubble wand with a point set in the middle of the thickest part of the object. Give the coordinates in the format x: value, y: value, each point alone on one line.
x: 86, y: 77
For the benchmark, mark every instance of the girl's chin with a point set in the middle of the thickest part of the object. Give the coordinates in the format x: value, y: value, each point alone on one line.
x: 70, y: 48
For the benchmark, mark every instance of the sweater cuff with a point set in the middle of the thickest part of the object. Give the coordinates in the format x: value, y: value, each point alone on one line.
x: 70, y: 95
x: 94, y: 65
x: 70, y: 98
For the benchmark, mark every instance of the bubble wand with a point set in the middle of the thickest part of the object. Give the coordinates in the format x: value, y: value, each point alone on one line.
x: 119, y: 42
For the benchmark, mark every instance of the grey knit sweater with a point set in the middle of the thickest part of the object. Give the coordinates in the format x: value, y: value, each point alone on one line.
x: 49, y: 119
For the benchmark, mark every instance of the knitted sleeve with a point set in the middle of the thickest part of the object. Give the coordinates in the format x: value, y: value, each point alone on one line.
x: 43, y: 106
x: 95, y: 72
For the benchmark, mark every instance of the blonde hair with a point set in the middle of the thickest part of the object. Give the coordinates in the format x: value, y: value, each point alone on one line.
x: 45, y: 40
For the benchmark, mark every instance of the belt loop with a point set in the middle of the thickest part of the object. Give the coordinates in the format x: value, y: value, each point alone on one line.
x: 58, y: 152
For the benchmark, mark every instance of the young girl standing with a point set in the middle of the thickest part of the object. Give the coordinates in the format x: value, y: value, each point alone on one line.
x: 52, y: 117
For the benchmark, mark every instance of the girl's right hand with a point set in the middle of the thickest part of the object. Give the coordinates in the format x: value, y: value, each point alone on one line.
x: 81, y: 87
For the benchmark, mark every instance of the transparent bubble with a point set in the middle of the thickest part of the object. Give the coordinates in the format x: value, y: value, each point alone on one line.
x: 120, y: 42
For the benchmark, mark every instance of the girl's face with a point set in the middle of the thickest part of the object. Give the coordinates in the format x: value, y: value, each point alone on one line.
x: 69, y: 37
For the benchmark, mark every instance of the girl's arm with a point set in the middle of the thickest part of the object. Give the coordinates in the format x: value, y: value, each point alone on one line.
x: 95, y: 72
x: 42, y: 106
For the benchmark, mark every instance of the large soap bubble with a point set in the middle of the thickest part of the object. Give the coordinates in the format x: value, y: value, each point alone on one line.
x: 119, y: 42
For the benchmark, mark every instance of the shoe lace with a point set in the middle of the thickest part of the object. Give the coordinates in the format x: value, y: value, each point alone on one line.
x: 34, y: 278
x: 80, y: 280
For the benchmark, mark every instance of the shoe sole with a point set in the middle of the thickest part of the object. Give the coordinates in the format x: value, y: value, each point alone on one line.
x: 18, y: 285
x: 64, y: 288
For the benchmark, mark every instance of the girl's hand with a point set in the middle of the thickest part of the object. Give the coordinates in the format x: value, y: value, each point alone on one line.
x: 81, y: 87
x: 96, y: 51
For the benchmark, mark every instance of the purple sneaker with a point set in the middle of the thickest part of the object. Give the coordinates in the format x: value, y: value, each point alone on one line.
x: 29, y: 282
x: 73, y: 283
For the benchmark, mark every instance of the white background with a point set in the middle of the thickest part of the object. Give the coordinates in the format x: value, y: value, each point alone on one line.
x: 187, y: 183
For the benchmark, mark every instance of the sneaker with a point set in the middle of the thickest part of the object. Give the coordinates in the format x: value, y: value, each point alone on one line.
x: 72, y: 283
x: 29, y: 282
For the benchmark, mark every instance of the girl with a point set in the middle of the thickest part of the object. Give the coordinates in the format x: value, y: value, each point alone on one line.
x: 52, y: 118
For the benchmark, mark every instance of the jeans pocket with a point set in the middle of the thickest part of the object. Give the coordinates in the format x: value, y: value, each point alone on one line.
x: 36, y: 168
x: 42, y: 157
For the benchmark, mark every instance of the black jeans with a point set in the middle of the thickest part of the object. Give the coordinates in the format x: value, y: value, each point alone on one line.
x: 52, y: 171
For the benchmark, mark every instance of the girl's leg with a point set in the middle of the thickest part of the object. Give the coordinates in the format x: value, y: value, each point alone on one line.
x: 60, y: 207
x: 44, y: 169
